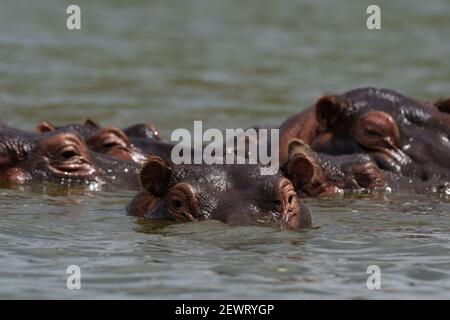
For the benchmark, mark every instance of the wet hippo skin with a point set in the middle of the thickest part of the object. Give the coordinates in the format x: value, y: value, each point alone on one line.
x: 233, y: 194
x: 320, y: 175
x: 59, y: 156
x: 316, y: 174
x: 402, y: 135
x: 132, y: 143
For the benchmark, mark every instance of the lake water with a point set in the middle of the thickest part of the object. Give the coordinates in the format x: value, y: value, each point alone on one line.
x: 231, y: 64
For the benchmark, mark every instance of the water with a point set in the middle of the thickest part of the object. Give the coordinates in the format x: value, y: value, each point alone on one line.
x: 230, y: 64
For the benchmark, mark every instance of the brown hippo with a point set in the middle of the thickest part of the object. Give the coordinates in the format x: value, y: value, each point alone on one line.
x: 233, y: 194
x: 111, y: 140
x: 402, y: 135
x: 59, y: 156
x: 316, y: 174
x: 132, y: 143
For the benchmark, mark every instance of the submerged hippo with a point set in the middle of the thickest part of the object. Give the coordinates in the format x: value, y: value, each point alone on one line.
x: 111, y: 140
x: 316, y: 174
x: 402, y: 135
x: 233, y: 194
x: 59, y: 156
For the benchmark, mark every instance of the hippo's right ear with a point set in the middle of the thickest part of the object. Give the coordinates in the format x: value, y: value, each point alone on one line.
x: 155, y: 176
x: 301, y: 165
x: 45, y: 126
x: 328, y: 110
x: 443, y: 105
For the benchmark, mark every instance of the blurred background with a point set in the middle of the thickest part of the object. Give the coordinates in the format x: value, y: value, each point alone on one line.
x: 229, y: 63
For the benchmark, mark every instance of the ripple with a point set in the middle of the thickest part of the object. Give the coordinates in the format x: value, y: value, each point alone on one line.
x: 172, y: 62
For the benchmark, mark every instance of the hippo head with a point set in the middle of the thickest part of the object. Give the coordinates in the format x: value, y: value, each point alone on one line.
x: 233, y: 194
x: 60, y: 156
x: 111, y: 141
x: 401, y: 134
x: 315, y: 174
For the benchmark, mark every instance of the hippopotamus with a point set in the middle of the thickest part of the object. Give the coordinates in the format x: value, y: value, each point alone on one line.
x: 316, y: 174
x: 402, y: 135
x: 319, y: 175
x: 59, y: 156
x: 111, y: 140
x: 233, y: 194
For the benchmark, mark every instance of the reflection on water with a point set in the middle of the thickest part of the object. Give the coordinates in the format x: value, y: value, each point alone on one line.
x: 230, y: 64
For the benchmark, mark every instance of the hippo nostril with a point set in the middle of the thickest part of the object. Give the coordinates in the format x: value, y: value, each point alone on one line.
x: 373, y: 133
x: 177, y: 204
x: 290, y: 199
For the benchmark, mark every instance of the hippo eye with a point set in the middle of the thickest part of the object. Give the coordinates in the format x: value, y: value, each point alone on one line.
x: 112, y: 141
x: 65, y: 152
x: 109, y: 144
x: 107, y: 139
x: 377, y: 129
x: 69, y: 153
x: 373, y: 133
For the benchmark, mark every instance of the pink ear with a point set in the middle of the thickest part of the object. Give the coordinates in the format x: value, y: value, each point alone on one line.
x: 328, y: 110
x: 155, y: 176
x: 443, y: 105
x: 45, y: 126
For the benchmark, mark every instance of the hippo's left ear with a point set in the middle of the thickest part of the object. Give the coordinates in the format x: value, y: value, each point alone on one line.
x: 155, y: 176
x: 301, y: 166
x: 328, y: 110
x: 443, y: 105
x: 45, y: 126
x: 91, y: 123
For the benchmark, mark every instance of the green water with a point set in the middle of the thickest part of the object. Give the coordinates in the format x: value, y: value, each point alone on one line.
x: 231, y: 64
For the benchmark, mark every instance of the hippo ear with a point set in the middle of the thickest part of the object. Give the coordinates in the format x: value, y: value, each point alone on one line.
x: 91, y: 123
x: 301, y: 165
x: 45, y: 126
x: 155, y: 176
x: 328, y: 110
x: 443, y: 105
